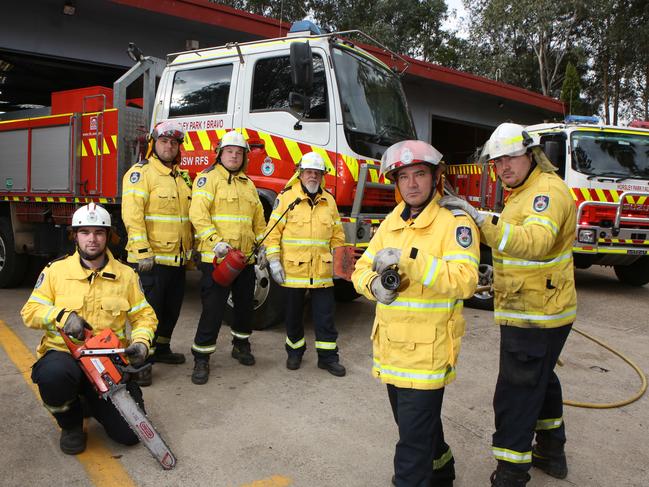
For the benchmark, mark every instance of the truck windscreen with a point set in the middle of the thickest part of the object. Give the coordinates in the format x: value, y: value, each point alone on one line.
x: 375, y: 113
x: 611, y: 154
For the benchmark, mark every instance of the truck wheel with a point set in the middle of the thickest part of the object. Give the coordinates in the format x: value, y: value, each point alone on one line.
x: 344, y: 291
x: 268, y: 302
x: 636, y: 274
x: 484, y: 299
x: 12, y: 264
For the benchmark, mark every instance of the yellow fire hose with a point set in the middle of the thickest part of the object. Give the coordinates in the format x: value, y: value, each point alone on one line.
x: 635, y: 397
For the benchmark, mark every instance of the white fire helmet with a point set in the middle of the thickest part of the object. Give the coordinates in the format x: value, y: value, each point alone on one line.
x: 168, y: 128
x: 509, y: 139
x: 312, y: 160
x: 91, y: 215
x: 233, y: 138
x: 407, y: 153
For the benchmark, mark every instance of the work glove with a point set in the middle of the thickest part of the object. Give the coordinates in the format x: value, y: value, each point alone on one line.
x: 262, y: 261
x: 385, y: 258
x: 277, y: 271
x: 145, y: 265
x: 221, y: 249
x: 137, y: 353
x: 74, y: 326
x: 454, y: 202
x: 381, y: 294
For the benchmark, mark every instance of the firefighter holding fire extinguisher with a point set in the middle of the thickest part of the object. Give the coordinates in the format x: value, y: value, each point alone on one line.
x: 227, y: 216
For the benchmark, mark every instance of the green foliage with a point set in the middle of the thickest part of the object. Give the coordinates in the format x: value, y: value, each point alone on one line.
x: 527, y: 43
x: 571, y: 91
x: 411, y: 27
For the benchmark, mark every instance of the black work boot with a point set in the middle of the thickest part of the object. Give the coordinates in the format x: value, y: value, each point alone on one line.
x: 241, y: 351
x: 201, y: 371
x: 144, y: 377
x: 334, y: 368
x: 73, y: 440
x: 502, y: 477
x: 293, y: 362
x: 164, y: 355
x: 548, y: 455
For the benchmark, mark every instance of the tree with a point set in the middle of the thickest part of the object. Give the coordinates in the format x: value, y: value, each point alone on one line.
x: 411, y: 27
x: 512, y: 33
x: 611, y: 38
x: 571, y: 90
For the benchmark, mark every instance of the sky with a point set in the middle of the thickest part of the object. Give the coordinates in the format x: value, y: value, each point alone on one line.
x: 452, y: 22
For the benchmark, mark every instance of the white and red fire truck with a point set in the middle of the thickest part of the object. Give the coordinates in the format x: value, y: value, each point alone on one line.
x: 607, y: 171
x: 288, y: 96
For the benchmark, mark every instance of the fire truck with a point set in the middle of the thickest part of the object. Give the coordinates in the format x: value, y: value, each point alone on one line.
x: 607, y: 170
x: 304, y: 92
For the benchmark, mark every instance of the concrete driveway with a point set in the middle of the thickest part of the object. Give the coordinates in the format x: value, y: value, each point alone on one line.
x: 266, y: 426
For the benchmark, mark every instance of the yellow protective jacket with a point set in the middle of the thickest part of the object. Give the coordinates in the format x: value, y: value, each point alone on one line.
x: 225, y: 207
x: 534, y: 279
x: 416, y: 338
x: 155, y: 211
x: 105, y: 299
x: 305, y: 237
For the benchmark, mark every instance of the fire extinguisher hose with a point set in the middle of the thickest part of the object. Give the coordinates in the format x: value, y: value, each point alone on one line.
x: 633, y: 365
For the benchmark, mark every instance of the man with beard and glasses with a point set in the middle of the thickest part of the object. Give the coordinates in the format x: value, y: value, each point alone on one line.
x: 155, y: 211
x: 300, y: 258
x: 86, y: 290
x: 419, y: 325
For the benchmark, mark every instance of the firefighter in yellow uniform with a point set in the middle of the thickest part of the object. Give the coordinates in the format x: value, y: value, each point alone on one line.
x: 535, y: 304
x: 419, y: 326
x: 299, y: 250
x: 227, y: 214
x: 155, y: 211
x: 89, y: 289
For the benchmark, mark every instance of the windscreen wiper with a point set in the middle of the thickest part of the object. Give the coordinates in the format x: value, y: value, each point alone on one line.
x: 608, y: 174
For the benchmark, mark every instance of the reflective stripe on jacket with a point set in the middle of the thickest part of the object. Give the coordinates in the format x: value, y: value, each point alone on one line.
x: 417, y: 337
x: 304, y: 238
x: 534, y: 279
x: 155, y: 211
x: 225, y: 207
x: 104, y: 298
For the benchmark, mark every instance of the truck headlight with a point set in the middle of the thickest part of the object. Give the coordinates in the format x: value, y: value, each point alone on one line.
x: 586, y: 235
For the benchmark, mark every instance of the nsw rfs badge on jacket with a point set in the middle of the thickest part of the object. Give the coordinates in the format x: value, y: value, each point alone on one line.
x: 463, y: 236
x: 541, y: 202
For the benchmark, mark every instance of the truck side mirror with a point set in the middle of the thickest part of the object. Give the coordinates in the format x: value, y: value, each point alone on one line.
x: 301, y: 104
x: 298, y: 102
x: 301, y: 66
x: 552, y: 149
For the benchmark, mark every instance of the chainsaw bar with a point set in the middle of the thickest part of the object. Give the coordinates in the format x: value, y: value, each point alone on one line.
x: 141, y: 426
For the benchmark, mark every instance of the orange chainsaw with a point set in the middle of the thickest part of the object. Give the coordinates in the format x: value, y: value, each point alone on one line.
x: 105, y: 365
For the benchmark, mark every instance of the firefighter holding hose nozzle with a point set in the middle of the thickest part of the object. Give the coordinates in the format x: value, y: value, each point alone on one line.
x: 419, y: 325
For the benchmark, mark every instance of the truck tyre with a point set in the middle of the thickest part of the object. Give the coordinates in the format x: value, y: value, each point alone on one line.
x: 344, y: 291
x: 636, y: 274
x: 484, y: 299
x: 12, y: 264
x: 268, y: 302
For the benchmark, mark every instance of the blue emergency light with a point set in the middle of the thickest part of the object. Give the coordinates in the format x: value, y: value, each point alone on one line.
x: 305, y: 25
x: 592, y: 119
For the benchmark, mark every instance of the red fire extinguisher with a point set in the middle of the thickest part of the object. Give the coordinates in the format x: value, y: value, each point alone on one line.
x: 235, y: 261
